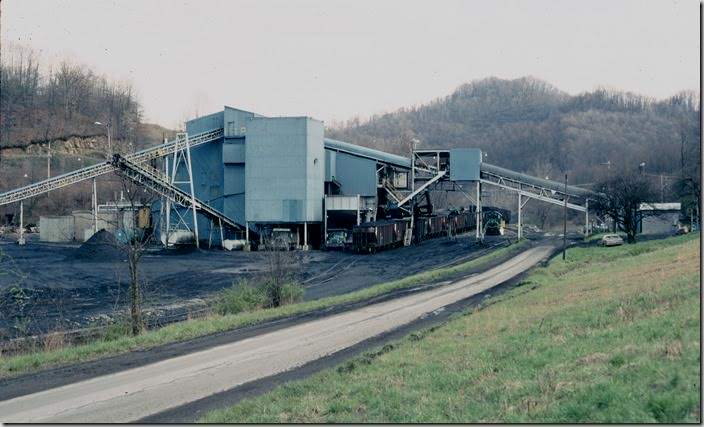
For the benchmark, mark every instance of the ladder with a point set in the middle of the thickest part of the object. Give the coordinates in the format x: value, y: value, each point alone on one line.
x: 158, y: 182
x: 93, y: 171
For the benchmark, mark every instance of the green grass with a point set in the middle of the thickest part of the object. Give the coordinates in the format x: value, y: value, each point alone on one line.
x: 611, y: 335
x: 19, y: 364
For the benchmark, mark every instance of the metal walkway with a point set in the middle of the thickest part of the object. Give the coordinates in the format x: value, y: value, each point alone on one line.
x: 159, y: 183
x: 93, y: 171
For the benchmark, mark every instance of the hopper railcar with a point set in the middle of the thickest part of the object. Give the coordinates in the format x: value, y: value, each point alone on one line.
x: 374, y: 236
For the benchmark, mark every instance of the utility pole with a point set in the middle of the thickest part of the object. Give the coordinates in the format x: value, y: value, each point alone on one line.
x: 48, y: 161
x: 21, y: 240
x: 662, y: 189
x: 564, y: 223
x: 95, y: 206
x: 107, y: 125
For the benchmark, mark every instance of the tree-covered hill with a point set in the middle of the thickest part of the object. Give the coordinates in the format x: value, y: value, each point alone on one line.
x: 529, y: 125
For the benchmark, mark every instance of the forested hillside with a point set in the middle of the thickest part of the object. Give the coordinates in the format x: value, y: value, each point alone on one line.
x: 58, y: 106
x: 38, y: 104
x: 530, y: 126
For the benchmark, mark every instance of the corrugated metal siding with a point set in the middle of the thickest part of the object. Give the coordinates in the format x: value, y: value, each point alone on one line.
x: 356, y: 175
x: 56, y: 228
x: 330, y: 162
x: 342, y: 203
x: 369, y: 153
x: 465, y: 164
x: 285, y: 162
x: 205, y: 123
x: 233, y: 153
x: 206, y: 162
x: 235, y: 122
x: 234, y: 180
x: 234, y: 207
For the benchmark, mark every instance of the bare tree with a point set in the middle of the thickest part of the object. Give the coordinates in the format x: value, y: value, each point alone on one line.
x: 281, y: 264
x: 620, y: 197
x: 133, y: 243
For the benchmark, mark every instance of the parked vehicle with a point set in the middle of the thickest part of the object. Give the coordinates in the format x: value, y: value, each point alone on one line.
x: 611, y: 240
x: 281, y: 239
x: 338, y: 239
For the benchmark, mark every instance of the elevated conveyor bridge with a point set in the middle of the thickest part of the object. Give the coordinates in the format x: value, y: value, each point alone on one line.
x: 159, y: 183
x: 432, y: 169
x: 99, y: 169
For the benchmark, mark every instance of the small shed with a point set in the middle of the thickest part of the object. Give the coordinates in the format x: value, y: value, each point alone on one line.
x: 56, y: 228
x: 659, y: 218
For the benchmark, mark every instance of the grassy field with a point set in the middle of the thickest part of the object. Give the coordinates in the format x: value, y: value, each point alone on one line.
x: 19, y: 364
x: 611, y: 335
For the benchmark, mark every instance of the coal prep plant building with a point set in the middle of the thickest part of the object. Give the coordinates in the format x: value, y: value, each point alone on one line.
x: 241, y: 177
x: 271, y: 174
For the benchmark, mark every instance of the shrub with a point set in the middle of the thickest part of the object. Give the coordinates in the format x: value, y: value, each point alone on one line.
x: 282, y: 294
x: 120, y: 328
x: 291, y: 293
x: 54, y: 341
x: 240, y: 297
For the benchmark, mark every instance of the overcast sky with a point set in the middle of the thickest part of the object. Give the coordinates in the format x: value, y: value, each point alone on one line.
x: 336, y: 59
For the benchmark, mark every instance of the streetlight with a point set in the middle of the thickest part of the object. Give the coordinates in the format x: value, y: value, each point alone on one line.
x: 48, y: 161
x: 107, y: 125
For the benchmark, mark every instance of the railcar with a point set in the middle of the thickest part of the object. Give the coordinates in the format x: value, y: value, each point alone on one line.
x: 374, y: 236
x: 378, y: 235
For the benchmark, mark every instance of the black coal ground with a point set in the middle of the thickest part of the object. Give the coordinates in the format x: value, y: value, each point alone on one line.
x: 47, y: 286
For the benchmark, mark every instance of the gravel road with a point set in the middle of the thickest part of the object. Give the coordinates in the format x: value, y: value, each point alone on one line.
x: 136, y: 393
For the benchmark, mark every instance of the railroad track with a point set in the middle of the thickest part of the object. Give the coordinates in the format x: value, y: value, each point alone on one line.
x: 330, y: 276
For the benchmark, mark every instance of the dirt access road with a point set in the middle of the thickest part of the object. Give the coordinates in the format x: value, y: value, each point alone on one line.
x: 140, y: 392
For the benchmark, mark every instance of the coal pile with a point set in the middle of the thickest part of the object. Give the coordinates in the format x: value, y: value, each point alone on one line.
x: 102, y: 246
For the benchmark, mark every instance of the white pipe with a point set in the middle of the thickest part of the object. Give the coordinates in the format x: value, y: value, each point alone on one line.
x: 21, y: 239
x: 95, y: 207
x: 358, y: 203
x: 477, y: 213
x: 305, y: 235
x: 520, y: 225
x: 325, y: 219
x: 221, y: 234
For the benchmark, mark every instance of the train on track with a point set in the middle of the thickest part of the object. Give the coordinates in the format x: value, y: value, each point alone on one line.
x: 374, y: 236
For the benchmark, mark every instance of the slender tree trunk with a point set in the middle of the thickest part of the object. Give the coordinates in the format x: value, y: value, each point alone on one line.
x: 135, y: 294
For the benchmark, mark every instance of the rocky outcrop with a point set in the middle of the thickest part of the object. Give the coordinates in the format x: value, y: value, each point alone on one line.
x: 72, y: 145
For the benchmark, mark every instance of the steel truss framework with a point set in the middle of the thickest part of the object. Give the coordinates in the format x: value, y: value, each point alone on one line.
x: 93, y: 171
x: 431, y: 167
x: 158, y: 182
x: 532, y: 191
